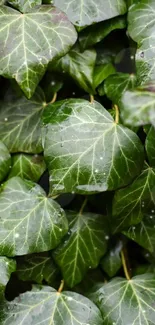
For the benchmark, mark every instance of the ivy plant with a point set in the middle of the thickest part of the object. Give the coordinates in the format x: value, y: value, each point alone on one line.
x: 77, y: 162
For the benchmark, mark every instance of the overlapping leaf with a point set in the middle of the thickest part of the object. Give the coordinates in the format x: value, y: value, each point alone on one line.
x: 24, y: 5
x: 7, y: 266
x: 83, y: 13
x: 20, y: 124
x: 86, y: 151
x: 150, y: 146
x: 45, y: 305
x: 37, y: 267
x: 29, y: 41
x: 127, y: 302
x: 111, y: 262
x: 101, y: 72
x: 132, y: 202
x: 83, y: 247
x: 5, y: 161
x: 27, y: 166
x: 29, y: 221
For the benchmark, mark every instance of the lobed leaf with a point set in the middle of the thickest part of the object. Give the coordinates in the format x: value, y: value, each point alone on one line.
x: 5, y: 161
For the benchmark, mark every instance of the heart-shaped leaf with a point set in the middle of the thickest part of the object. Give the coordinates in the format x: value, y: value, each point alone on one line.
x: 83, y: 247
x: 86, y: 151
x: 7, y: 266
x: 127, y: 302
x: 132, y: 202
x: 27, y: 166
x: 111, y: 262
x: 150, y: 146
x: 29, y: 41
x: 101, y: 72
x: 46, y: 305
x: 83, y: 13
x: 5, y: 161
x: 24, y: 5
x: 29, y: 221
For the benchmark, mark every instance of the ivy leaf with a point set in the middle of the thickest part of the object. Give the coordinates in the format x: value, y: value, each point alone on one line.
x: 86, y: 151
x: 79, y: 66
x: 117, y: 84
x: 45, y: 305
x: 35, y: 38
x: 20, y: 128
x: 27, y: 166
x: 111, y: 262
x: 84, y: 13
x: 83, y: 247
x: 7, y: 266
x: 115, y: 297
x: 150, y: 146
x: 101, y: 72
x: 29, y: 221
x: 143, y: 233
x: 96, y: 33
x: 5, y: 161
x: 37, y: 267
x: 132, y: 202
x: 24, y: 5
x: 138, y: 106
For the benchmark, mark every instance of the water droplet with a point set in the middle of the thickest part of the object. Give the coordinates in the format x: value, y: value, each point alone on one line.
x: 101, y: 158
x: 152, y: 211
x: 60, y: 229
x: 63, y: 71
x: 144, y: 311
x: 133, y: 228
x: 53, y: 83
x: 69, y: 298
x: 142, y: 54
x: 132, y: 57
x: 151, y: 217
x: 96, y: 170
x: 106, y: 237
x: 16, y: 235
x: 89, y: 267
x: 10, y: 166
x: 6, y: 119
x: 73, y: 192
x: 73, y: 93
x: 104, y: 173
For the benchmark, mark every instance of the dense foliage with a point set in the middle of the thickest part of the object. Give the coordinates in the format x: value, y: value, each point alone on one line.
x: 77, y: 162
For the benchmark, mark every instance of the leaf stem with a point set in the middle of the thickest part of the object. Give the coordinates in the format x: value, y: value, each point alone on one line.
x: 117, y: 114
x: 124, y: 262
x: 61, y: 286
x: 91, y: 99
x: 83, y: 206
x: 53, y: 99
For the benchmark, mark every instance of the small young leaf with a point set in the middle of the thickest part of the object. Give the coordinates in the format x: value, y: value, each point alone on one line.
x: 5, y: 161
x: 86, y: 151
x: 27, y: 166
x: 29, y: 221
x: 47, y: 306
x: 132, y: 202
x: 24, y: 5
x: 127, y: 302
x: 35, y: 38
x: 7, y: 266
x: 111, y: 262
x: 83, y: 13
x: 150, y: 146
x: 83, y: 247
x: 37, y: 267
x: 101, y: 72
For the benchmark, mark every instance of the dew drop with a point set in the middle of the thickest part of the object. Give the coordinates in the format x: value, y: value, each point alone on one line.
x: 151, y: 217
x: 69, y: 298
x: 73, y: 93
x: 6, y: 119
x: 142, y: 54
x: 60, y: 229
x: 89, y: 267
x: 101, y: 158
x: 16, y: 235
x: 104, y: 173
x: 53, y: 83
x: 96, y: 170
x: 133, y: 228
x: 106, y: 237
x: 132, y: 57
x: 152, y: 211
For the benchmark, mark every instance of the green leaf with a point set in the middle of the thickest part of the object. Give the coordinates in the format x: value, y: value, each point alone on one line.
x: 83, y: 247
x: 7, y: 266
x: 79, y: 66
x: 27, y: 166
x: 127, y: 302
x: 111, y: 262
x: 141, y: 29
x: 143, y: 233
x: 45, y: 305
x: 20, y: 123
x: 132, y: 202
x: 117, y: 84
x: 150, y: 146
x: 101, y: 72
x: 37, y: 267
x: 138, y: 106
x: 83, y: 13
x: 98, y: 32
x: 86, y: 151
x: 5, y: 161
x: 29, y: 221
x: 29, y: 41
x: 24, y: 5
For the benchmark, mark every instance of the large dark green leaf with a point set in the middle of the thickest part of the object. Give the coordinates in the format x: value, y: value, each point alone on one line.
x: 125, y: 302
x: 37, y: 267
x: 5, y: 161
x: 83, y: 247
x: 79, y: 65
x: 97, y: 32
x: 27, y: 166
x: 29, y: 221
x: 150, y: 146
x: 111, y: 262
x: 83, y: 13
x: 86, y: 151
x: 132, y: 202
x: 44, y: 305
x: 24, y: 5
x: 20, y: 123
x: 7, y: 266
x: 29, y: 41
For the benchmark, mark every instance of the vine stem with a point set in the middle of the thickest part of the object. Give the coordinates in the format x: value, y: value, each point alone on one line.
x: 91, y: 99
x: 61, y: 286
x: 126, y: 272
x: 53, y: 99
x: 83, y: 206
x: 117, y: 114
